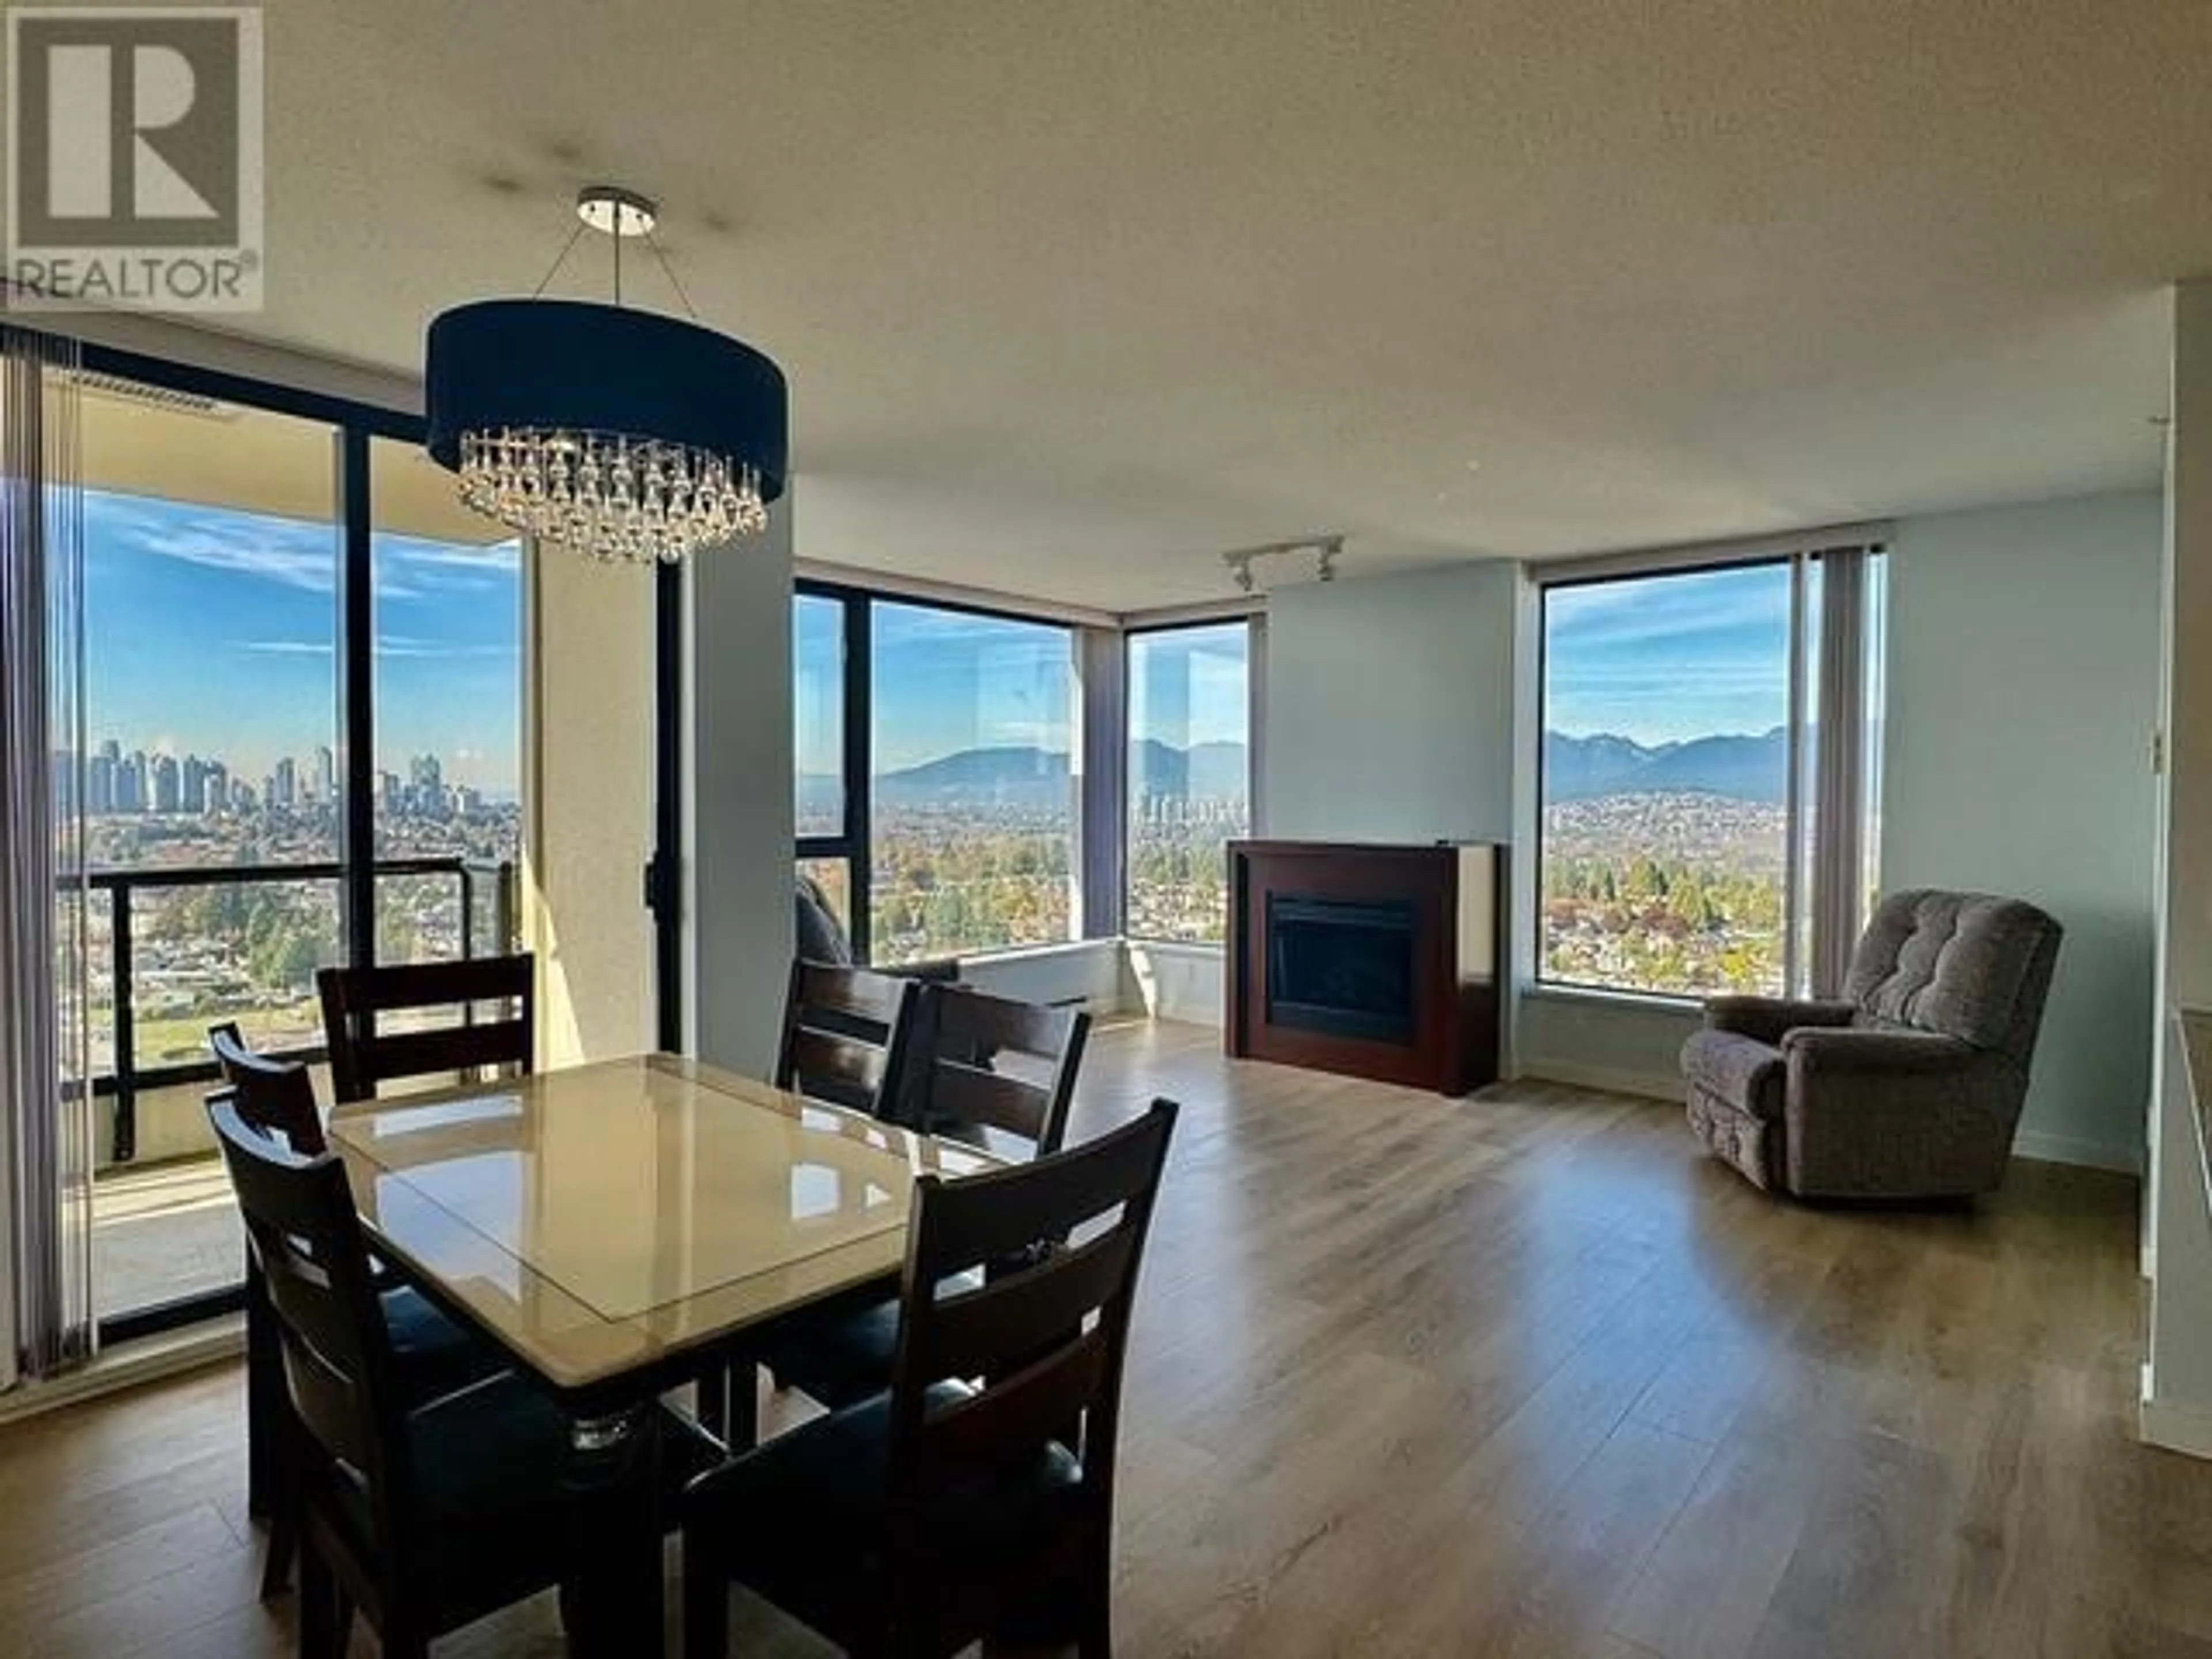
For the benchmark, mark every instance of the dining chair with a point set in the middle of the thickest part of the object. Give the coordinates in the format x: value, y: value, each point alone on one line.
x: 846, y: 1032
x: 963, y: 1036
x: 943, y: 1510
x: 274, y: 1099
x: 362, y: 1057
x: 422, y: 1516
x: 965, y: 1045
x: 846, y: 1035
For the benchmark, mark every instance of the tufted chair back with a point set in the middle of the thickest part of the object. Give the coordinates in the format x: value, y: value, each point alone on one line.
x: 1966, y: 964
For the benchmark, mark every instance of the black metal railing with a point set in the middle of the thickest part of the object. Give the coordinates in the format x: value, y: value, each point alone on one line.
x: 123, y: 1085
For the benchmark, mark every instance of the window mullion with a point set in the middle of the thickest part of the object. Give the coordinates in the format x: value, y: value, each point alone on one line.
x: 1794, y: 973
x: 859, y: 770
x: 356, y: 697
x: 1101, y: 805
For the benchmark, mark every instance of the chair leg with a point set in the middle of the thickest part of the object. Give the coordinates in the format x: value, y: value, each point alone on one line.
x: 741, y: 1420
x: 1094, y: 1636
x: 712, y: 1394
x: 316, y: 1609
x: 283, y: 1547
x: 705, y: 1599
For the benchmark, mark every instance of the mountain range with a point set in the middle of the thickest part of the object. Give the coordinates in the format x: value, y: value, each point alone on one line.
x: 1741, y: 766
x: 1736, y: 765
x: 1022, y: 775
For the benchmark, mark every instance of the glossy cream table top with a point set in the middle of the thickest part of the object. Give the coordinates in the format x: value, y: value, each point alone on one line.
x: 598, y: 1218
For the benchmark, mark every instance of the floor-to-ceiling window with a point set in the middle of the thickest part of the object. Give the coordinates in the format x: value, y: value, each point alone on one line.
x: 1686, y: 822
x: 213, y: 817
x: 972, y: 809
x: 936, y: 799
x: 825, y: 803
x: 251, y: 553
x: 448, y: 808
x: 1190, y: 777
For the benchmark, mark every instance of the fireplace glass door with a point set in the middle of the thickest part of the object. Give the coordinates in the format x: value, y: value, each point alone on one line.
x: 1341, y: 968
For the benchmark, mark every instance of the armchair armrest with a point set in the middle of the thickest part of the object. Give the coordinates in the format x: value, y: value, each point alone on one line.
x: 1892, y: 1113
x: 1767, y: 1019
x: 1895, y: 1055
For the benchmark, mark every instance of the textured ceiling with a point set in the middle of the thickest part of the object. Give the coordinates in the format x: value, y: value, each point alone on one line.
x: 1074, y: 296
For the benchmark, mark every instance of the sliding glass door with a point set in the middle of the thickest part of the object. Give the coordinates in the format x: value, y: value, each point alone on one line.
x: 257, y: 560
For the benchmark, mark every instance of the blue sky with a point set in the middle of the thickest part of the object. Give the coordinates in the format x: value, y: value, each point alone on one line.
x: 1664, y: 659
x: 211, y: 631
x: 945, y: 681
x: 1190, y: 685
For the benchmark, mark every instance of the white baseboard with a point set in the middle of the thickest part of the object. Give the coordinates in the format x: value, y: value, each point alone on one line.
x: 2179, y: 1428
x: 1613, y: 1080
x: 2070, y: 1149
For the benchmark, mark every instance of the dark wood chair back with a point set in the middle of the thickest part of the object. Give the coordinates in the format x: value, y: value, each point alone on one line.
x: 846, y: 1035
x: 1046, y: 1330
x: 274, y: 1096
x: 361, y: 1057
x: 331, y: 1333
x: 965, y: 1033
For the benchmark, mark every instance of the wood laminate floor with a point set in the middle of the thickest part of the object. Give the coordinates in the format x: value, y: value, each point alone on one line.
x: 1519, y: 1374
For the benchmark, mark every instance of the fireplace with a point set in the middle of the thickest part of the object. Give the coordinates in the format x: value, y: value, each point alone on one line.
x: 1341, y: 967
x: 1379, y: 962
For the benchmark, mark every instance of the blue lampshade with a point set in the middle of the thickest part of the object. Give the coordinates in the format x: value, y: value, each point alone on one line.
x: 575, y: 366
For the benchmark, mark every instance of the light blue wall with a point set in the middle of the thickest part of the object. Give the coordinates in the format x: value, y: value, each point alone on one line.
x: 2023, y: 686
x: 1390, y: 707
x: 1605, y: 1043
x: 2023, y: 695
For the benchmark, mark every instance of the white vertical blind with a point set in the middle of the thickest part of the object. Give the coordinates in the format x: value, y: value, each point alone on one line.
x: 1840, y: 857
x: 46, y: 1106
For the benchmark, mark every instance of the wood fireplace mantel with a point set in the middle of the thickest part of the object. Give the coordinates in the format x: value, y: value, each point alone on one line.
x: 1375, y: 961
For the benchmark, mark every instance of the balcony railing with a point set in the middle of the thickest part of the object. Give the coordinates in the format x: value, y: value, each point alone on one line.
x: 127, y: 1078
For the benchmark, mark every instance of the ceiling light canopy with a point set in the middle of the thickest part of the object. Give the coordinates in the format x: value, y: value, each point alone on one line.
x: 624, y: 433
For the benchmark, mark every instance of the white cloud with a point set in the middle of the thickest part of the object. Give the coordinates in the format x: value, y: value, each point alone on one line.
x: 387, y: 644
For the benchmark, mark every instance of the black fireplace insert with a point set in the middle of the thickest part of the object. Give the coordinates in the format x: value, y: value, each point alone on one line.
x: 1341, y: 967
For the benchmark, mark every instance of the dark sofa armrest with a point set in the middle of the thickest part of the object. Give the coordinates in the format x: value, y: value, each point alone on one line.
x: 1767, y: 1019
x: 1894, y: 1055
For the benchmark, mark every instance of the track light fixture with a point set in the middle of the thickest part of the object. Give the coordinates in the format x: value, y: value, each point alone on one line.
x: 1242, y: 561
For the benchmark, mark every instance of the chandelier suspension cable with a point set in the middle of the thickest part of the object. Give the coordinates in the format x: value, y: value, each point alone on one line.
x: 669, y: 271
x: 559, y: 259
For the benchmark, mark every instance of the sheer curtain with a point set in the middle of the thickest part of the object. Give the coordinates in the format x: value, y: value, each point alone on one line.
x: 46, y: 1097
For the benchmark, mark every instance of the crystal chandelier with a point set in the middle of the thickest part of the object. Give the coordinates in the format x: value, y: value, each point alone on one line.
x: 608, y: 496
x: 625, y: 434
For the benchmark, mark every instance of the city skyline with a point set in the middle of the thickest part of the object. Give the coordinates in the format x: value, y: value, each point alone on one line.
x: 214, y: 629
x: 120, y: 781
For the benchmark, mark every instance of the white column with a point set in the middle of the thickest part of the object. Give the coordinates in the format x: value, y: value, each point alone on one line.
x: 2177, y: 1396
x: 588, y: 826
x: 738, y: 825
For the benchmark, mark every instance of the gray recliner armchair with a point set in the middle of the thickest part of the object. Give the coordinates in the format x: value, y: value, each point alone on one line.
x: 1909, y: 1087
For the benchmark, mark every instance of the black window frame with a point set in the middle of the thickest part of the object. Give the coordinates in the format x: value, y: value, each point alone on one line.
x: 851, y: 844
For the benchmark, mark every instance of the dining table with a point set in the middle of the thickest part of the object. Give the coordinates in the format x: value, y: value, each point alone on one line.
x: 617, y: 1230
